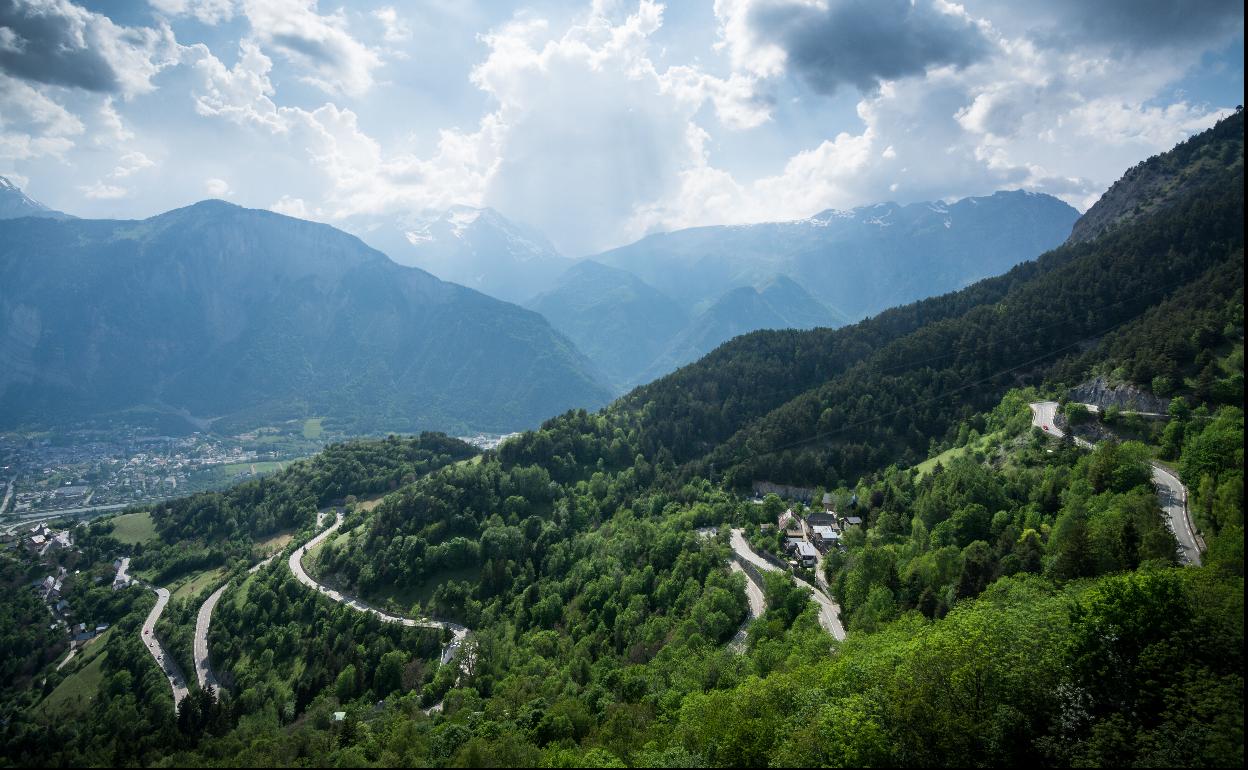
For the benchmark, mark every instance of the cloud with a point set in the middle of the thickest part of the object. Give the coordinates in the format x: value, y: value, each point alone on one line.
x: 291, y: 207
x: 1127, y: 25
x: 131, y: 163
x: 112, y: 129
x: 217, y: 188
x: 859, y: 43
x: 396, y: 30
x: 102, y: 191
x: 321, y: 45
x: 210, y: 12
x: 58, y: 43
x: 32, y: 125
x: 242, y: 93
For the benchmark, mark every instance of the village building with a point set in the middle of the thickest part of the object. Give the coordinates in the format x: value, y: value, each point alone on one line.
x: 826, y: 536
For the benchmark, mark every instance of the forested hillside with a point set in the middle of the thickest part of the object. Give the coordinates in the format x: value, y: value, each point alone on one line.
x: 1014, y: 599
x: 823, y: 406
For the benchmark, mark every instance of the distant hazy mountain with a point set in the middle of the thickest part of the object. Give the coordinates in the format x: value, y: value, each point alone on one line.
x: 778, y: 304
x: 14, y: 203
x: 620, y: 322
x: 478, y: 248
x: 858, y: 262
x: 218, y: 311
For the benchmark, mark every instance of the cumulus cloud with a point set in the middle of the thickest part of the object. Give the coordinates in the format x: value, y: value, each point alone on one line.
x: 242, y: 93
x: 209, y: 12
x: 58, y: 43
x: 131, y: 163
x: 321, y: 45
x: 111, y: 128
x: 32, y: 125
x: 360, y: 177
x: 597, y: 132
x: 291, y: 207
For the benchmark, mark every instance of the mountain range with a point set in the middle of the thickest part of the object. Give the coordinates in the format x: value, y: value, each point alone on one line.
x: 642, y: 310
x: 857, y: 262
x: 241, y: 315
x: 474, y: 247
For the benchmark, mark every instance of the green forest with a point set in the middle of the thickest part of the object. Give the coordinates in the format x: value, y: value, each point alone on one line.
x: 1018, y: 601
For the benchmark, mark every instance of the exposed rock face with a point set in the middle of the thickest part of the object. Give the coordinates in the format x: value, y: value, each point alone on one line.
x: 1162, y: 180
x: 1124, y: 396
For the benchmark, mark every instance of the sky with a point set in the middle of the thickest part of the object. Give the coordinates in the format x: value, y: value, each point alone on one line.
x: 598, y: 122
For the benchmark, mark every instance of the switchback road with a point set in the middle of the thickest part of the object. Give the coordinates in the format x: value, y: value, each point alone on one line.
x: 296, y: 566
x: 163, y: 659
x: 829, y: 612
x: 203, y: 621
x: 1171, y: 493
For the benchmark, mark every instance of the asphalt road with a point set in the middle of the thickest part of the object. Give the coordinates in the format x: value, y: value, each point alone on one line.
x: 1173, y: 498
x: 758, y: 605
x: 203, y: 621
x: 296, y: 566
x: 153, y: 645
x: 829, y: 612
x: 203, y: 672
x: 1044, y: 417
x: 1171, y: 493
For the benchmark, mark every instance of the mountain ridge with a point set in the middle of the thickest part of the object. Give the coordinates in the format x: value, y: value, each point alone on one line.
x: 15, y: 203
x: 211, y: 304
x: 860, y: 261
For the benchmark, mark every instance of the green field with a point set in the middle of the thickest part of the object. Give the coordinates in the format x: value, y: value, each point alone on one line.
x: 312, y: 428
x: 948, y: 455
x: 227, y: 472
x: 79, y: 688
x: 131, y: 528
x: 198, y: 583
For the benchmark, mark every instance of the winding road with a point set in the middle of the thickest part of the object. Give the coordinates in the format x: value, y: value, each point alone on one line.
x: 829, y: 612
x: 458, y: 632
x: 1044, y: 417
x: 203, y: 621
x: 203, y: 672
x: 1173, y: 497
x: 1170, y: 491
x: 163, y: 659
x: 758, y: 605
